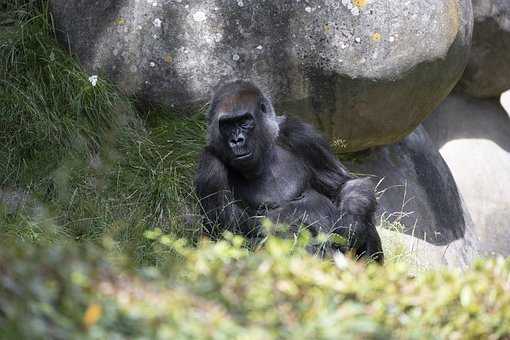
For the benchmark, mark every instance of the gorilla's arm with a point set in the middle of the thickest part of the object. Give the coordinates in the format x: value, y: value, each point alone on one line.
x: 354, y: 197
x: 302, y: 139
x: 221, y: 210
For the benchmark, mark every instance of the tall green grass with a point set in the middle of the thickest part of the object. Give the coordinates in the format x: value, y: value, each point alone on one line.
x: 87, y: 161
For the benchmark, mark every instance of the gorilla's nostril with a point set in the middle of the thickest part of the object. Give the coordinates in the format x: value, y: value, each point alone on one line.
x: 237, y: 141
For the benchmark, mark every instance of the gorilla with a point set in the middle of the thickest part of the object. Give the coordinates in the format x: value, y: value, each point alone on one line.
x: 257, y: 164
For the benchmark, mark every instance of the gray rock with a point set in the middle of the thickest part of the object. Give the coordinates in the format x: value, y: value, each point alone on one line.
x: 488, y: 71
x: 420, y: 255
x: 13, y: 199
x: 505, y: 101
x: 418, y: 197
x: 473, y: 136
x: 366, y: 72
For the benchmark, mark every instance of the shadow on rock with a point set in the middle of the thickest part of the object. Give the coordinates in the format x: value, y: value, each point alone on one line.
x: 473, y: 136
x: 419, y: 194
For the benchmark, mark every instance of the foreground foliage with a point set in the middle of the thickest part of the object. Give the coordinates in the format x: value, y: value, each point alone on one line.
x: 224, y: 291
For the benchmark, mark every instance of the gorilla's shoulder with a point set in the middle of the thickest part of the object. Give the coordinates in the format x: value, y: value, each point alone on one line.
x: 296, y: 133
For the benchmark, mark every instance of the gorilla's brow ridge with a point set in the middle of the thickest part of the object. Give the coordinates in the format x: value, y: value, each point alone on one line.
x: 243, y: 101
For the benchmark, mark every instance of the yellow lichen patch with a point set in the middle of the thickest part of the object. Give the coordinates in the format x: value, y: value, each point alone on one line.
x: 359, y: 3
x: 339, y: 144
x: 92, y: 315
x: 120, y: 21
x: 453, y: 14
x: 376, y: 36
x: 168, y: 58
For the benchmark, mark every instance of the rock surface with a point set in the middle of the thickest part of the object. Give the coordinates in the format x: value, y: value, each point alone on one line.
x: 419, y: 193
x: 473, y: 136
x: 420, y: 255
x: 13, y: 200
x: 505, y: 101
x: 488, y: 70
x: 366, y: 72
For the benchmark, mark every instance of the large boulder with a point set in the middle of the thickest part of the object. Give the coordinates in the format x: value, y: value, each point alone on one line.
x: 488, y: 70
x: 419, y: 198
x: 473, y: 136
x: 366, y: 72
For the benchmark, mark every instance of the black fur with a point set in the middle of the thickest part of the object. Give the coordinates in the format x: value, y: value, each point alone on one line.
x: 257, y: 164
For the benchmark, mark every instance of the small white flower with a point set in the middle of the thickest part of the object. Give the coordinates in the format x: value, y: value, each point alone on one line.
x: 259, y: 47
x: 308, y: 9
x: 152, y: 64
x: 93, y: 80
x: 236, y: 57
x: 157, y: 22
x: 199, y: 16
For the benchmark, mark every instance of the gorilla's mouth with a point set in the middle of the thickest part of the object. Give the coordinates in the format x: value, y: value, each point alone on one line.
x: 243, y: 156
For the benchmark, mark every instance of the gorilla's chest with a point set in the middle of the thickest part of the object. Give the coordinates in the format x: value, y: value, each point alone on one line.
x: 285, y: 179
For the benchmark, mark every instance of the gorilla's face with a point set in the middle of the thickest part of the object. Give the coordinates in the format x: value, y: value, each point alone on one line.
x: 237, y: 134
x: 244, y: 142
x: 240, y: 128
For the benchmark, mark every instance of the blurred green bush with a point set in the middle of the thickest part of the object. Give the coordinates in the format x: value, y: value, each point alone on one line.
x: 222, y: 290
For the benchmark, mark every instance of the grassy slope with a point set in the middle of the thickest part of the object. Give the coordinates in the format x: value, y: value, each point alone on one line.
x: 91, y: 165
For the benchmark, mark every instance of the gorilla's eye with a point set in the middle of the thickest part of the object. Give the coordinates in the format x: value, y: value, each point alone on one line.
x: 247, y: 121
x: 263, y: 108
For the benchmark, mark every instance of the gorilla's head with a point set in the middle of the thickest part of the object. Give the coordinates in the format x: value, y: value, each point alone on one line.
x: 242, y: 125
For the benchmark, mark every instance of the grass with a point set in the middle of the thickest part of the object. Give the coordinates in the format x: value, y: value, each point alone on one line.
x: 87, y: 161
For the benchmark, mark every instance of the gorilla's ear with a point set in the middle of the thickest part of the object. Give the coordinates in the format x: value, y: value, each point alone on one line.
x: 271, y: 120
x: 266, y: 106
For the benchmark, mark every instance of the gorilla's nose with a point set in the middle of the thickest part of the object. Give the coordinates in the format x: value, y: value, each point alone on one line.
x: 237, y: 142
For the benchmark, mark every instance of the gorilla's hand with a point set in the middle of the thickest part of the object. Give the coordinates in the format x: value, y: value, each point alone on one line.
x: 362, y: 237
